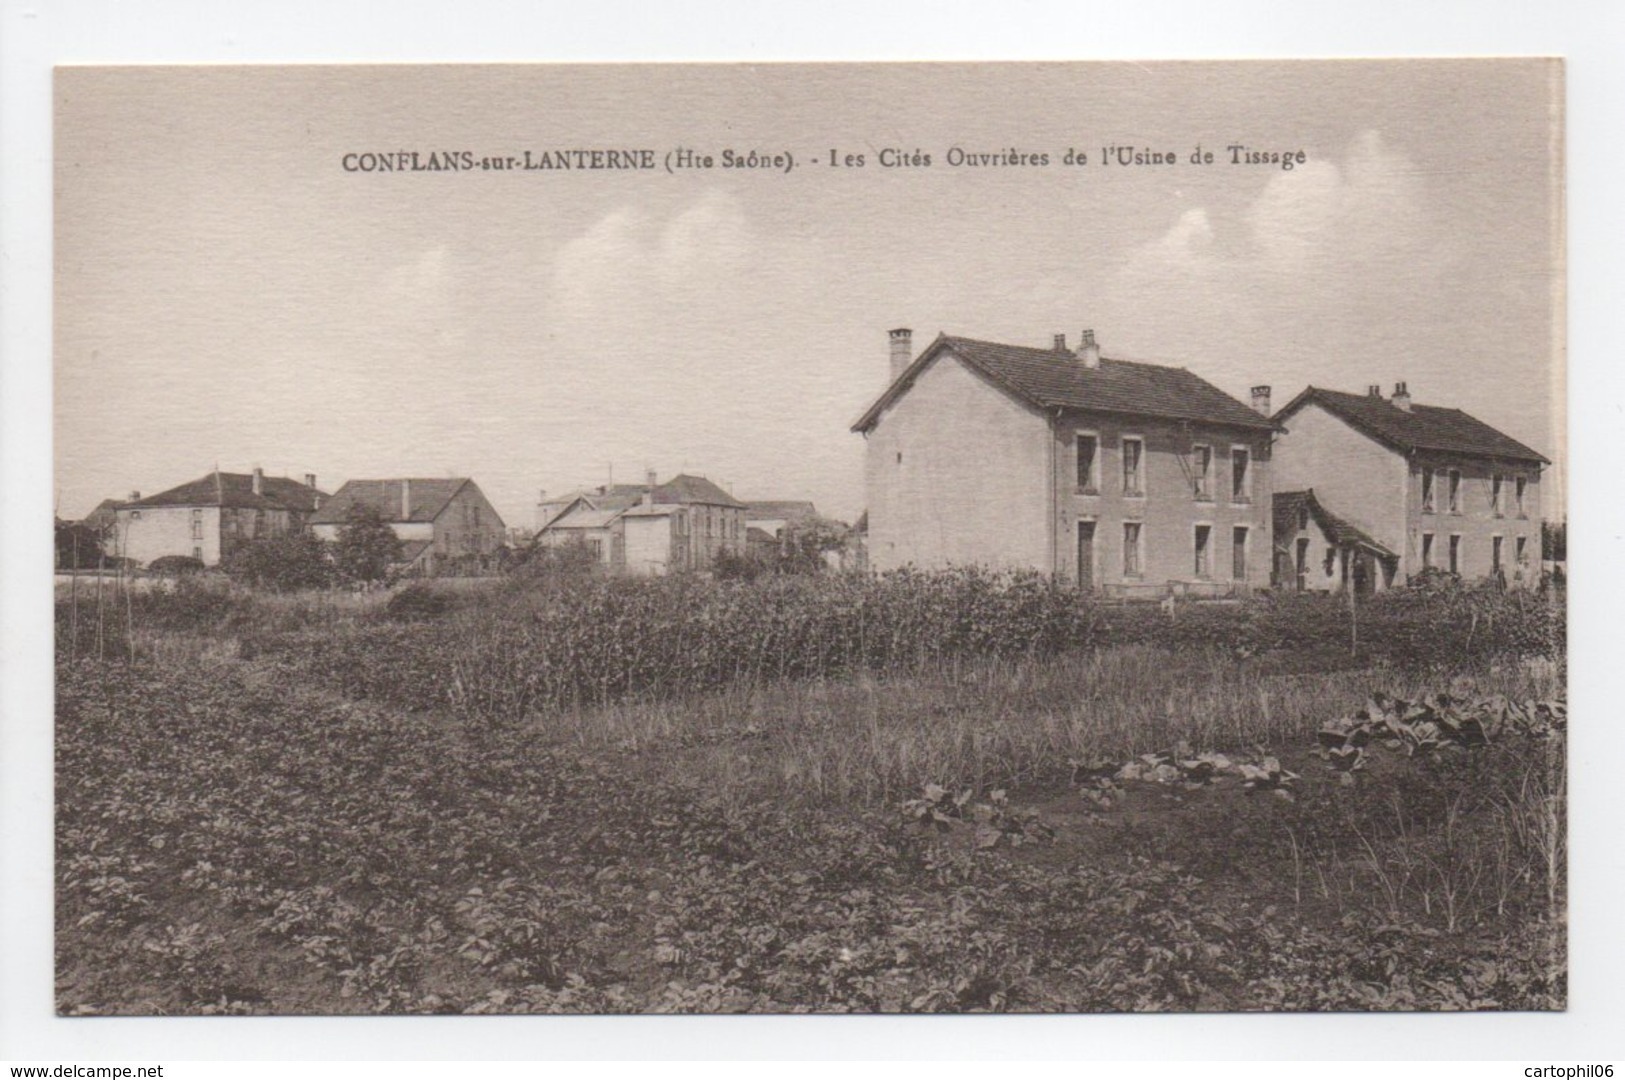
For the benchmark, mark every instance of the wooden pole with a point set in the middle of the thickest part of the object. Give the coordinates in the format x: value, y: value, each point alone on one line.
x: 73, y: 602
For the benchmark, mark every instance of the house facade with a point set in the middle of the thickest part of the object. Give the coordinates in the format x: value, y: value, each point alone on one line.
x: 1318, y: 551
x: 1436, y: 487
x: 1129, y: 478
x: 683, y: 524
x: 206, y: 518
x: 442, y: 523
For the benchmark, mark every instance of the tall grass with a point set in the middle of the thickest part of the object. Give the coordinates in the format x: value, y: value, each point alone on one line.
x: 993, y: 722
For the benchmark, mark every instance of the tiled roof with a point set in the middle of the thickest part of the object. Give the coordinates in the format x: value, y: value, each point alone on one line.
x: 1050, y: 379
x: 684, y: 488
x: 236, y: 490
x: 429, y: 497
x: 1421, y: 427
x: 412, y: 551
x: 1288, y: 506
x: 106, y: 513
x: 585, y: 518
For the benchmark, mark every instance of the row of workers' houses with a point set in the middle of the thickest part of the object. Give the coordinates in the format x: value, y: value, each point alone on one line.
x: 1132, y: 478
x: 441, y: 522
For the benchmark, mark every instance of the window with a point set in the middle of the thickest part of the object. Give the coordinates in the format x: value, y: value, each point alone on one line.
x: 1518, y: 487
x: 1455, y: 491
x: 1495, y: 554
x: 197, y: 524
x: 1088, y: 455
x: 1302, y: 560
x: 1133, y: 466
x: 1131, y: 549
x: 1238, y: 553
x: 1427, y: 491
x: 197, y: 553
x: 1204, y: 535
x: 1303, y: 518
x: 1520, y: 550
x: 1241, y: 480
x: 1455, y: 553
x: 1495, y: 494
x: 1202, y: 471
x: 1427, y: 551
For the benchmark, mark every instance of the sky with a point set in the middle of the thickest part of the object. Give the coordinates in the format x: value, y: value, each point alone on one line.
x: 227, y: 294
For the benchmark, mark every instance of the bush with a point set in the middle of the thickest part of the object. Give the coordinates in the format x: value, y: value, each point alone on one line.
x: 417, y: 601
x: 281, y: 563
x: 174, y: 566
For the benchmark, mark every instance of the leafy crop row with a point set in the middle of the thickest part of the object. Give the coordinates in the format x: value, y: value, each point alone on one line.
x: 519, y: 650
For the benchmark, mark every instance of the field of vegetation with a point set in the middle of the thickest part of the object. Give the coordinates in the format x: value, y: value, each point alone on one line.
x: 954, y: 792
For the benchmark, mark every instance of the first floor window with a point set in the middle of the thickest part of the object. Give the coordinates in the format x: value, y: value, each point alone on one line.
x: 197, y: 524
x: 1427, y: 491
x: 1204, y: 534
x: 1518, y: 487
x: 1495, y: 494
x: 1241, y: 481
x: 1202, y: 472
x: 1088, y: 454
x: 1131, y: 547
x: 1302, y: 566
x: 1455, y: 491
x: 1133, y: 451
x: 1427, y: 551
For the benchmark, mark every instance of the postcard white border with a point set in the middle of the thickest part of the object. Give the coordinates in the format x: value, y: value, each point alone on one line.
x: 36, y: 35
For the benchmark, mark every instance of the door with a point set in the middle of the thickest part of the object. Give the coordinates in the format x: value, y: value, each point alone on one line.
x: 1086, y: 555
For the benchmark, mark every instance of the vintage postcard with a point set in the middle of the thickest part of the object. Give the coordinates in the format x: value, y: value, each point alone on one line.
x: 860, y: 538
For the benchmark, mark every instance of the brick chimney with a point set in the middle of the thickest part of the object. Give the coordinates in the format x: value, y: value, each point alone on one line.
x: 902, y: 350
x: 1261, y: 400
x: 134, y: 495
x: 259, y: 480
x: 310, y: 480
x: 651, y: 478
x: 1373, y: 390
x: 1088, y: 351
x: 1402, y: 396
x: 406, y: 500
x: 1060, y: 343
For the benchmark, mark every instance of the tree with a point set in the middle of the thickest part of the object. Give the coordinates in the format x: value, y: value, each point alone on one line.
x: 283, y: 563
x: 366, y: 546
x: 78, y: 546
x: 1554, y: 541
x: 806, y: 542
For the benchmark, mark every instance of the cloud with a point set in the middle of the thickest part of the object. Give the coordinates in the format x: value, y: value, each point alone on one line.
x: 1301, y: 278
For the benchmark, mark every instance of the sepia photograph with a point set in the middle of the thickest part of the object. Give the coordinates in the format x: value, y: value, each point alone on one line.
x: 774, y: 538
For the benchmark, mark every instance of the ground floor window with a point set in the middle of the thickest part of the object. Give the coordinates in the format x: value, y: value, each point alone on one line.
x: 1495, y: 554
x: 1238, y: 553
x: 1427, y: 551
x: 1131, y: 548
x: 1204, y: 534
x: 1455, y: 553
